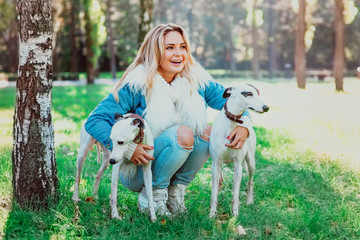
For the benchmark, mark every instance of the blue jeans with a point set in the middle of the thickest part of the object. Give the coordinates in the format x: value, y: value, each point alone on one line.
x: 173, y: 164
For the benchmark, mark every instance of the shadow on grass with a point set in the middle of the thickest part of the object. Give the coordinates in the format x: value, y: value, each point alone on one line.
x: 295, y: 197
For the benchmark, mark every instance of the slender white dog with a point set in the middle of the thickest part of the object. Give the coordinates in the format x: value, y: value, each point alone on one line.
x: 239, y: 99
x: 127, y: 129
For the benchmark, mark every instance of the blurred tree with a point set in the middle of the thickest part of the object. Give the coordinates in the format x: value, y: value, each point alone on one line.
x: 8, y: 33
x: 339, y: 55
x: 255, y: 20
x: 34, y: 166
x: 126, y: 29
x: 95, y: 32
x: 145, y: 19
x: 73, y: 19
x: 110, y: 39
x: 300, y: 59
x: 271, y: 38
x: 208, y: 24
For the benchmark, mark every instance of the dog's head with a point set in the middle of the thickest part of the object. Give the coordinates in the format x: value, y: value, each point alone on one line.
x: 123, y: 132
x: 246, y: 97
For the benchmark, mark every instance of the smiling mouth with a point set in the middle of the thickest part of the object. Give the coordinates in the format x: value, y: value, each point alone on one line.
x: 176, y: 62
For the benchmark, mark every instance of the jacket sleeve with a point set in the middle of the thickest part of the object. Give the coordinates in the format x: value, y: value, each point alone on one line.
x: 101, y: 120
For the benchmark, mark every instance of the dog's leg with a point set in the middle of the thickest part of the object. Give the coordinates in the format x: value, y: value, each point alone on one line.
x: 114, y: 187
x: 250, y: 159
x: 216, y: 175
x: 86, y: 143
x: 104, y: 165
x: 148, y: 187
x: 98, y: 152
x: 236, y: 186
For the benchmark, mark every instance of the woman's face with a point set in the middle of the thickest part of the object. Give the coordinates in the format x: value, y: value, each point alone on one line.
x: 175, y: 55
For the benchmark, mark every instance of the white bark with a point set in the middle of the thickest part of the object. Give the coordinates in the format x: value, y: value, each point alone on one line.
x: 34, y: 170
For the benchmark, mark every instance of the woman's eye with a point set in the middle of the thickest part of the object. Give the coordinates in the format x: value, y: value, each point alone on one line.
x: 120, y: 142
x: 169, y: 48
x: 182, y: 47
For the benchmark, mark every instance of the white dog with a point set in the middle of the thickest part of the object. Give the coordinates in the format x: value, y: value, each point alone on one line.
x: 130, y: 128
x: 239, y: 99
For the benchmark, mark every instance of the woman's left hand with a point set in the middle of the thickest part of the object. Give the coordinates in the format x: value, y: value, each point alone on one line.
x: 237, y: 137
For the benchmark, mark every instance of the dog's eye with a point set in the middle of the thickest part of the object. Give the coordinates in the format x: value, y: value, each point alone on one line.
x: 120, y: 142
x: 247, y: 94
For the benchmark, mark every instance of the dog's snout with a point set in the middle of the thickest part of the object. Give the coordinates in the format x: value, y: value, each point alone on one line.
x: 112, y: 161
x: 265, y: 108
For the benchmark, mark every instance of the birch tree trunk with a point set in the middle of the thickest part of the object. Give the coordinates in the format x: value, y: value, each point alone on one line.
x: 339, y: 55
x: 34, y: 166
x: 300, y: 58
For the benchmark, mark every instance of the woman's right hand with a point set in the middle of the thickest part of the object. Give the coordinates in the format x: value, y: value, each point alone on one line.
x: 140, y: 155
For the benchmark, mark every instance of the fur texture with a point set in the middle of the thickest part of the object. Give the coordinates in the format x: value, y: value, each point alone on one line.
x: 174, y: 104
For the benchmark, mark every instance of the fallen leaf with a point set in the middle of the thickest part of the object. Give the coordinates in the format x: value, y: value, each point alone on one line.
x: 163, y: 221
x: 89, y: 199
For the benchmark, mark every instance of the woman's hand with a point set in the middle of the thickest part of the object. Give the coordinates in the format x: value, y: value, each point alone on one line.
x: 237, y: 137
x: 140, y: 156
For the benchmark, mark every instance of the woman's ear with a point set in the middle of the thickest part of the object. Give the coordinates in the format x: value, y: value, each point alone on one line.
x: 227, y: 92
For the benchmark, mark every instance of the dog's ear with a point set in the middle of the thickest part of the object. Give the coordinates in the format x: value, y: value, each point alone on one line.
x: 255, y: 88
x: 227, y: 92
x: 118, y: 116
x: 137, y: 122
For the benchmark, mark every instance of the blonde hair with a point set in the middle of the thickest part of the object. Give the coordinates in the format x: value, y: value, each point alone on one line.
x: 151, y: 54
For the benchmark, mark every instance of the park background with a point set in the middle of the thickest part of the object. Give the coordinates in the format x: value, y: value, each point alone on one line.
x: 307, y: 184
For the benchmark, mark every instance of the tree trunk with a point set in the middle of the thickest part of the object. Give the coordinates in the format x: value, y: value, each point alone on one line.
x: 339, y: 55
x: 90, y: 43
x: 230, y: 47
x: 73, y: 31
x: 300, y: 58
x: 271, y: 47
x: 255, y: 35
x: 34, y: 166
x: 110, y: 39
x: 146, y: 9
x: 12, y: 48
x: 162, y: 6
x: 57, y: 9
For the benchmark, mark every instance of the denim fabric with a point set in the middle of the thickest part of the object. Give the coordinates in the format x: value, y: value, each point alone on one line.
x: 173, y: 164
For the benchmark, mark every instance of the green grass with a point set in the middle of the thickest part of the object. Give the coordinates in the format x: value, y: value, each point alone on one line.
x: 298, y: 194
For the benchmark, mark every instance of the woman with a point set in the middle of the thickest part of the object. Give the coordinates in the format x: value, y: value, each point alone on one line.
x: 167, y: 87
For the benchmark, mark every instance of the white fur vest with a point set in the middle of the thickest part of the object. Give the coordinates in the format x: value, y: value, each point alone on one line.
x: 172, y: 104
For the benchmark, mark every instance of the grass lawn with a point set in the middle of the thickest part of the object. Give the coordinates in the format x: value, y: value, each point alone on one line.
x: 307, y: 181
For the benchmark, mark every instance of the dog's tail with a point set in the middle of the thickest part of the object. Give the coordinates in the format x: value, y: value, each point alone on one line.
x: 98, y: 150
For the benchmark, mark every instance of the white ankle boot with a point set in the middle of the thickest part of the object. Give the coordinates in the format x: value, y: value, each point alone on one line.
x: 160, y: 197
x: 175, y: 202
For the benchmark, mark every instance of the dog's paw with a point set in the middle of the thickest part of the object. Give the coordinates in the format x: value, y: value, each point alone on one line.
x: 249, y: 201
x: 212, y: 214
x: 116, y: 216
